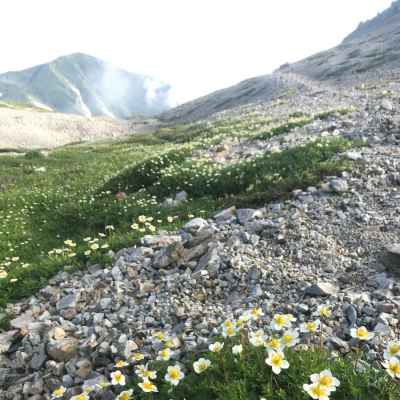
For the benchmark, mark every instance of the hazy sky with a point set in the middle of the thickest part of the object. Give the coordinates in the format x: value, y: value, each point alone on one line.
x: 197, y: 46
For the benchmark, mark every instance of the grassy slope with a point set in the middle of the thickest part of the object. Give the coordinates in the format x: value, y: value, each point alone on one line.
x: 74, y: 197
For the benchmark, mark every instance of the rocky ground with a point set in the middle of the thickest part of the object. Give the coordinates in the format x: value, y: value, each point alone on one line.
x: 336, y: 243
x: 33, y: 129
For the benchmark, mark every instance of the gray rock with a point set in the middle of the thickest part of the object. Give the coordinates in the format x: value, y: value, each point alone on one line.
x: 7, y: 339
x: 339, y: 185
x: 69, y: 301
x: 172, y: 254
x: 246, y: 215
x: 181, y: 197
x: 351, y: 315
x: 62, y: 350
x: 23, y: 321
x: 195, y: 225
x: 225, y: 215
x: 392, y: 257
x: 387, y: 105
x: 322, y: 289
x: 157, y: 241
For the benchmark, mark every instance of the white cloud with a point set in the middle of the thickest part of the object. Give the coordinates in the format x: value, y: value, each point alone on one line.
x: 196, y: 46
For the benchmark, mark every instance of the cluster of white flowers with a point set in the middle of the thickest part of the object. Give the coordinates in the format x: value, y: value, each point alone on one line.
x: 276, y: 337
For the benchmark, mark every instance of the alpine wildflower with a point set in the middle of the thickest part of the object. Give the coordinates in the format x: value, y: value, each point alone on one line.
x: 238, y: 349
x: 276, y: 360
x: 392, y: 367
x: 59, y: 392
x: 148, y: 386
x: 361, y: 333
x: 165, y: 354
x: 326, y: 379
x: 118, y: 378
x: 216, y: 347
x: 125, y: 395
x: 392, y: 350
x: 201, y: 365
x: 290, y: 338
x: 317, y: 392
x: 310, y: 327
x: 174, y: 375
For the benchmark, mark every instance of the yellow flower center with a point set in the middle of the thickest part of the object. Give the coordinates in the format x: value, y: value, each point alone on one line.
x: 230, y: 331
x: 58, y: 392
x: 326, y: 380
x: 319, y: 391
x: 124, y: 396
x: 287, y: 339
x: 273, y: 343
x: 362, y: 332
x: 228, y: 323
x: 311, y: 326
x: 147, y: 386
x: 395, y: 368
x: 280, y: 319
x: 394, y: 349
x: 276, y: 360
x: 174, y: 374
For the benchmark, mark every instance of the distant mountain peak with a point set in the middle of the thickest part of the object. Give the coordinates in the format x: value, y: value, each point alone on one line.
x: 79, y: 83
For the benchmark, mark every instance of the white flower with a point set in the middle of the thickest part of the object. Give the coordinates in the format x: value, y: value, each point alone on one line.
x: 216, y: 347
x: 281, y: 321
x: 117, y: 378
x: 174, y: 375
x: 324, y: 311
x: 257, y: 338
x: 361, y: 333
x: 317, y: 392
x: 276, y: 360
x: 229, y: 331
x: 148, y: 386
x: 256, y: 313
x: 290, y: 338
x: 201, y: 365
x: 392, y: 367
x: 165, y: 354
x: 274, y: 343
x: 392, y: 350
x: 142, y: 372
x: 326, y: 379
x: 237, y: 349
x: 58, y: 392
x: 82, y: 396
x: 310, y: 327
x: 125, y: 395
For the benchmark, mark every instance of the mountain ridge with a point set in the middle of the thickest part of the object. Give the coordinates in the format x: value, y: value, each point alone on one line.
x: 373, y: 48
x: 85, y: 85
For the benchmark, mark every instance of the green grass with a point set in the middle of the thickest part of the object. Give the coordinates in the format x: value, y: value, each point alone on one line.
x: 248, y: 377
x: 70, y: 195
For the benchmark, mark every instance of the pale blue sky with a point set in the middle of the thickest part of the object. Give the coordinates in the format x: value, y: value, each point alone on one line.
x: 196, y: 46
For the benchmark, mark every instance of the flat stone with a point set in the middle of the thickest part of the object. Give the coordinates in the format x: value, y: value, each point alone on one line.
x: 6, y: 340
x: 392, y: 257
x: 69, y: 301
x: 195, y: 225
x: 226, y: 214
x: 387, y: 105
x: 322, y: 289
x: 339, y: 185
x: 62, y: 350
x: 181, y: 196
x: 158, y: 241
x: 246, y: 215
x: 23, y: 321
x: 173, y: 254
